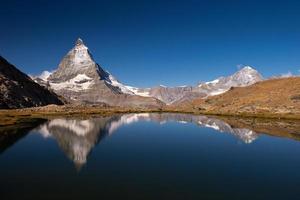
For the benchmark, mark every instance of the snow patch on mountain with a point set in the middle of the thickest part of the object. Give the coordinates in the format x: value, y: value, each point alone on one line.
x: 80, y: 82
x: 127, y: 89
x: 213, y: 82
x: 138, y: 91
x: 114, y: 82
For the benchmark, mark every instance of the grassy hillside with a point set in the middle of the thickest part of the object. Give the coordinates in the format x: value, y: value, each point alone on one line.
x: 275, y: 97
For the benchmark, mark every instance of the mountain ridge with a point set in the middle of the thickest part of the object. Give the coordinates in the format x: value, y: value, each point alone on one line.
x: 18, y: 90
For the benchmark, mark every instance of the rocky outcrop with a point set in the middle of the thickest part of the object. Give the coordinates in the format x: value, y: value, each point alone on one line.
x: 17, y: 90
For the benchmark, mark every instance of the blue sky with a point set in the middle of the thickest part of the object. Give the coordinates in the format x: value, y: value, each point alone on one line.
x: 147, y: 43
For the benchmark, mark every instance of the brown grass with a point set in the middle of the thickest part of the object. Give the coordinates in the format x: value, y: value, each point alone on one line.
x: 276, y: 98
x: 14, y: 116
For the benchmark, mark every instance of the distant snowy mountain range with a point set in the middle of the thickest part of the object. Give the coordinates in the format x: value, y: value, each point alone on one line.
x: 80, y: 79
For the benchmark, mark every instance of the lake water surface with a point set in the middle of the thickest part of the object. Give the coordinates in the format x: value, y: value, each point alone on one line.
x: 151, y: 156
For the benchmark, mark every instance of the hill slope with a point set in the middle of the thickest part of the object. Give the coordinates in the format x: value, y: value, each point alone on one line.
x: 17, y: 90
x: 275, y: 96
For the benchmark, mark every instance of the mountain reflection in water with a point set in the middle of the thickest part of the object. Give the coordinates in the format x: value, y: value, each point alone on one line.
x: 150, y: 156
x: 77, y: 137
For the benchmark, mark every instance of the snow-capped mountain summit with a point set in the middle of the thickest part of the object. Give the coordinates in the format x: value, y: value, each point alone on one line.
x: 244, y: 77
x: 78, y: 65
x: 79, y: 79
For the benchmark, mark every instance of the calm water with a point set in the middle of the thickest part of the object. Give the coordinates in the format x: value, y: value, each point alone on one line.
x: 151, y: 156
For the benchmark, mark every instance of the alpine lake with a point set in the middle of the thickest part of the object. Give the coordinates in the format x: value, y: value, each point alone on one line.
x: 151, y: 156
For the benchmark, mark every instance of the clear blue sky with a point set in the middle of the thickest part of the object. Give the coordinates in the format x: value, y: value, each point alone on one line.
x: 146, y: 43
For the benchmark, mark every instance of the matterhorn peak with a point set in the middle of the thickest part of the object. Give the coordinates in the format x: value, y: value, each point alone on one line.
x: 79, y: 41
x: 80, y: 47
x: 80, y: 54
x: 247, y: 67
x: 77, y: 63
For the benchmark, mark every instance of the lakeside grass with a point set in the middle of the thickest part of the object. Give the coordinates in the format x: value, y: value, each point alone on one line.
x: 265, y: 115
x: 16, y: 116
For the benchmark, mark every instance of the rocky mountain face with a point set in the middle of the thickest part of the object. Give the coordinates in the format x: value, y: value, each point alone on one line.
x: 176, y: 95
x: 244, y: 77
x: 173, y: 95
x: 79, y: 79
x: 17, y: 90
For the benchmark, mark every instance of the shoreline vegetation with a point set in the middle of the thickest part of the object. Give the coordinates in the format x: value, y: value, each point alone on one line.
x: 16, y: 116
